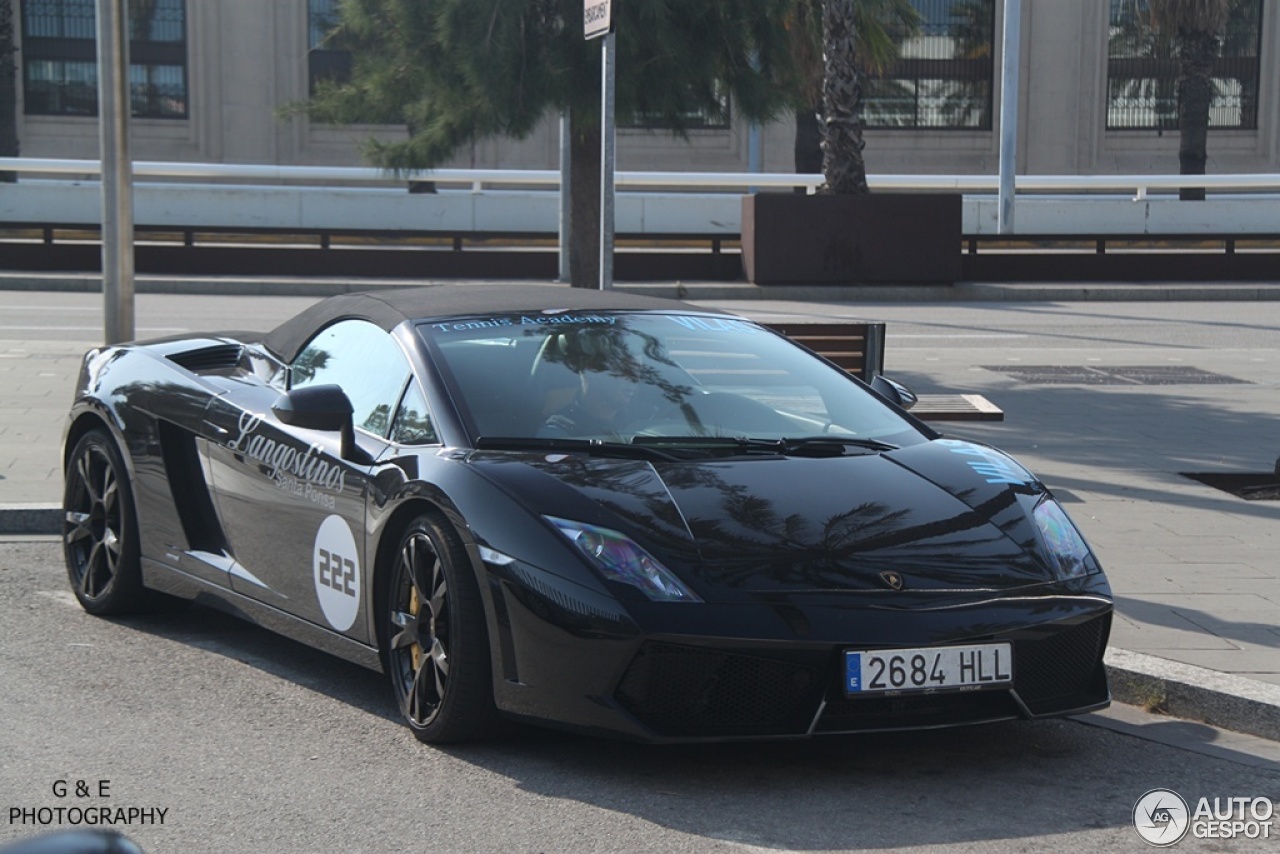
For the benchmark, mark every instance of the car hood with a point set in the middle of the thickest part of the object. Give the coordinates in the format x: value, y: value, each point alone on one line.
x: 942, y: 515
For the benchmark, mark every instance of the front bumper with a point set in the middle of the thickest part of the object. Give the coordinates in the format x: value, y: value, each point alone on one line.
x: 718, y: 672
x: 693, y: 692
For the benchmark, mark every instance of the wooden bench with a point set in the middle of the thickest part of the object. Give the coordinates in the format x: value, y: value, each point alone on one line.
x: 858, y: 347
x: 956, y: 407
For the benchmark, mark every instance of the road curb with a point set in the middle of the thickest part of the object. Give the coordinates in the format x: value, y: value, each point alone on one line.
x: 1158, y: 684
x: 1195, y: 693
x: 30, y: 519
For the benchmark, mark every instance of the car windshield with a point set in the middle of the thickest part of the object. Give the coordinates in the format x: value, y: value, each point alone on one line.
x: 650, y: 378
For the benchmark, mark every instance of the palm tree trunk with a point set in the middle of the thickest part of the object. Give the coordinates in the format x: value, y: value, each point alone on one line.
x: 8, y: 90
x: 584, y: 202
x: 808, y: 142
x: 842, y: 142
x: 1195, y: 93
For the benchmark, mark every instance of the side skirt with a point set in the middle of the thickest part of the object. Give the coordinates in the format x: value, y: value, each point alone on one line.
x: 166, y: 579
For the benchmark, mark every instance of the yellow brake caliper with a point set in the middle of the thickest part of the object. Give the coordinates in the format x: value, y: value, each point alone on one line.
x: 415, y: 605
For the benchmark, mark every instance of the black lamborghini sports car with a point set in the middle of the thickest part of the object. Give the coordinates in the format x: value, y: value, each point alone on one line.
x: 587, y: 509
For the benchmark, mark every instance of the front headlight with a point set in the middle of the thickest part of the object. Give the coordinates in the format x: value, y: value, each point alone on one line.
x: 1068, y: 552
x: 621, y: 559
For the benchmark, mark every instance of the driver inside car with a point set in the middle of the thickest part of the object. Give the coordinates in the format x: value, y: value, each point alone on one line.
x: 598, y: 408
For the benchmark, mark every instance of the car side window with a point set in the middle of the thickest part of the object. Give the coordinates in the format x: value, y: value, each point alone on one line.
x: 364, y: 361
x: 412, y: 425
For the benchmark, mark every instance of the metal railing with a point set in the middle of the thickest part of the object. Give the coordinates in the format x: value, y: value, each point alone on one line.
x: 324, y: 201
x: 478, y: 180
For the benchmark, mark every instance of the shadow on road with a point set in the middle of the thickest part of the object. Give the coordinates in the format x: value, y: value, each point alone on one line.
x: 883, y: 790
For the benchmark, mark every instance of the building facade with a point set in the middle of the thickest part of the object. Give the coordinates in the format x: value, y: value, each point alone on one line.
x: 210, y: 79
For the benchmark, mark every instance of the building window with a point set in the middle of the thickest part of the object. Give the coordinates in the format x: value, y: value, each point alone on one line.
x: 325, y: 60
x: 1142, y: 70
x: 714, y: 118
x: 944, y: 78
x: 60, y: 58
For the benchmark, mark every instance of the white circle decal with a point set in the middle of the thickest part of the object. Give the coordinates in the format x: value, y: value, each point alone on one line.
x: 336, y: 566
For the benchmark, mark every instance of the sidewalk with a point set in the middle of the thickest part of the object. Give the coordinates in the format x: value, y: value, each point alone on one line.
x: 1195, y: 571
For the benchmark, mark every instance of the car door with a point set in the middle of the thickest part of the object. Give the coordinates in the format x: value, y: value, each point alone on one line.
x: 292, y: 505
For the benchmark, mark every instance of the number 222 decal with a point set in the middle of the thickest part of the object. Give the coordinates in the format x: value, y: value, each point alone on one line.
x: 336, y: 572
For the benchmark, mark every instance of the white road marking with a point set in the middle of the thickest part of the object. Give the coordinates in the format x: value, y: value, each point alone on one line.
x: 30, y: 328
x: 895, y: 335
x: 83, y: 308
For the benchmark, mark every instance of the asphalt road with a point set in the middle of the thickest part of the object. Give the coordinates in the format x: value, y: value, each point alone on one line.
x: 252, y: 743
x: 914, y: 326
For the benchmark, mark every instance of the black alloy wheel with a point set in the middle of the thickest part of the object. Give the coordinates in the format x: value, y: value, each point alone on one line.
x: 100, y: 530
x: 437, y: 650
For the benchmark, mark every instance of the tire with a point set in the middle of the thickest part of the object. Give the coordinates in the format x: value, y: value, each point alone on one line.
x: 100, y: 529
x: 435, y: 641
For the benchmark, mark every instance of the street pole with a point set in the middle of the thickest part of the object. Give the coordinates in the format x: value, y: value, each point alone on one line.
x: 566, y: 199
x: 117, y: 184
x: 607, y: 158
x: 1010, y: 59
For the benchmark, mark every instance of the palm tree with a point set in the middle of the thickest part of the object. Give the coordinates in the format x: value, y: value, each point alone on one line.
x: 8, y: 90
x: 457, y: 71
x: 858, y: 37
x: 1196, y: 28
x: 142, y: 22
x: 1241, y: 40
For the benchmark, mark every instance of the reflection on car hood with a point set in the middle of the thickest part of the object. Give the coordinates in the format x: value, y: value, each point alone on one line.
x: 943, y: 515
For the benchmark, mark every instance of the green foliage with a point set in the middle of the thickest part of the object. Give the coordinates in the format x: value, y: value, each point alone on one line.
x: 881, y: 27
x: 1191, y: 16
x: 458, y: 70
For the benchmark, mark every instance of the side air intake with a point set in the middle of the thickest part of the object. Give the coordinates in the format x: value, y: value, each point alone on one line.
x: 219, y: 357
x: 189, y: 489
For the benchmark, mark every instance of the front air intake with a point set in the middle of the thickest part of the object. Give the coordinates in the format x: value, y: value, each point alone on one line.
x: 685, y: 691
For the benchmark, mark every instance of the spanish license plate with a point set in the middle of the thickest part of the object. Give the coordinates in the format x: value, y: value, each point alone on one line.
x: 938, y: 668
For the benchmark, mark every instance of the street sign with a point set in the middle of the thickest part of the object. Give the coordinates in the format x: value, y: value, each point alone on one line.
x: 597, y: 17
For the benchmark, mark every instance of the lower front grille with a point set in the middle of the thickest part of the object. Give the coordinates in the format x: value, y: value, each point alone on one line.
x: 916, y: 711
x: 1063, y: 670
x: 683, y: 691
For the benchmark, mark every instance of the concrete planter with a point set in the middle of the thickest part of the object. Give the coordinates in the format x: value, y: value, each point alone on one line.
x: 876, y: 238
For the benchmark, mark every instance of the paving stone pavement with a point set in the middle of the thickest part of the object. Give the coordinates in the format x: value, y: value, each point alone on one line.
x: 1194, y: 570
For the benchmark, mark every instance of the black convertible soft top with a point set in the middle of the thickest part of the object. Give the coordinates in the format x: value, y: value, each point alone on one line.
x: 390, y: 307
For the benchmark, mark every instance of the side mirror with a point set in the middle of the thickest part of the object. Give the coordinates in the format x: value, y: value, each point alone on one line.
x: 316, y: 407
x: 322, y: 407
x: 895, y: 391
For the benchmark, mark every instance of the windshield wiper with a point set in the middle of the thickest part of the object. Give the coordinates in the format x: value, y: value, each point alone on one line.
x: 676, y: 448
x: 802, y: 446
x: 838, y: 443
x: 593, y: 447
x: 711, y: 443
